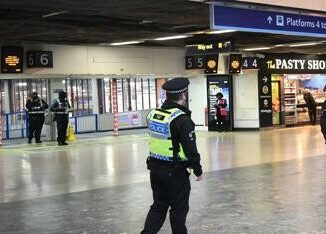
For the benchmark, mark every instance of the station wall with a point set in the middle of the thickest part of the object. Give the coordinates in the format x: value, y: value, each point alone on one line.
x: 94, y: 60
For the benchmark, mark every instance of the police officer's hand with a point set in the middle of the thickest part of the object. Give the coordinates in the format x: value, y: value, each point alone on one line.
x: 199, y: 178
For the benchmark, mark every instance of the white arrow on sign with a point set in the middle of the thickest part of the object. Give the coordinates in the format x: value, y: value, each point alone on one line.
x: 265, y: 79
x: 270, y: 19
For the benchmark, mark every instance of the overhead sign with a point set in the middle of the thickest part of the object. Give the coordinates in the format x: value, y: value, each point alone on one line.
x: 39, y: 59
x: 12, y: 59
x: 294, y: 64
x: 211, y: 64
x: 195, y: 62
x: 235, y: 63
x: 208, y: 48
x: 317, y: 5
x: 267, y: 21
x: 250, y: 63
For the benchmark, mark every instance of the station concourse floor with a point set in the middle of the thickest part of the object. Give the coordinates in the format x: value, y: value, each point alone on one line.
x: 270, y: 181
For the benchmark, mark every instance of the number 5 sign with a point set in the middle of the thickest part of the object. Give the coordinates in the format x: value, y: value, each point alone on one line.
x: 39, y: 59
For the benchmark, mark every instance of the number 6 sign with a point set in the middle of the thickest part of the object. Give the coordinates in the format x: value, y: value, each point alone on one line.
x: 39, y: 59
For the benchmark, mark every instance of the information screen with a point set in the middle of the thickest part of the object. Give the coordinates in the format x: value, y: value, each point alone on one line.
x: 12, y: 59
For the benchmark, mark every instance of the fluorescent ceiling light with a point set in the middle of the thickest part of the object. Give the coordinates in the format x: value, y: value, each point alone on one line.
x: 125, y: 43
x: 222, y: 31
x: 304, y: 44
x: 280, y: 45
x: 171, y: 38
x: 258, y: 48
x: 54, y: 14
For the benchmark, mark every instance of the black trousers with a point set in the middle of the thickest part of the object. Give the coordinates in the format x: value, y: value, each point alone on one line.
x: 171, y: 188
x: 62, y: 125
x: 35, y: 127
x: 312, y: 115
x: 220, y: 121
x: 323, y: 126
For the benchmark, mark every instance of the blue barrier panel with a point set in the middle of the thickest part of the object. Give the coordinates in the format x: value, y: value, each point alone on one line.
x: 7, y: 127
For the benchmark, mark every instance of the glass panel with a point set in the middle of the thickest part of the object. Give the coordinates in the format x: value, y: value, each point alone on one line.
x: 125, y: 95
x: 139, y: 94
x: 2, y: 97
x: 119, y: 95
x: 79, y: 93
x: 152, y: 91
x: 21, y: 89
x: 133, y: 94
x: 107, y: 95
x: 146, y: 94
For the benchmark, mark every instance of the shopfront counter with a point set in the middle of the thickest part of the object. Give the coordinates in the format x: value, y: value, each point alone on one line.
x: 303, y: 115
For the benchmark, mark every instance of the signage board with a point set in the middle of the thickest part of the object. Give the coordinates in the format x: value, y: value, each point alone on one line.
x: 129, y: 119
x: 207, y: 48
x: 12, y: 59
x: 294, y: 64
x: 219, y: 117
x: 267, y: 21
x: 195, y: 62
x: 250, y: 63
x: 211, y: 64
x: 235, y: 63
x: 317, y: 5
x: 265, y: 98
x: 39, y: 59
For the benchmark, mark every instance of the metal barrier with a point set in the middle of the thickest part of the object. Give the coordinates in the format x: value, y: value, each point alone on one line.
x: 15, y: 125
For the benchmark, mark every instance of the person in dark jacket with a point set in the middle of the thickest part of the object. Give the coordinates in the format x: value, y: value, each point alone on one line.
x: 220, y: 111
x: 173, y: 150
x: 311, y: 105
x: 61, y: 108
x: 35, y: 107
x: 323, y: 120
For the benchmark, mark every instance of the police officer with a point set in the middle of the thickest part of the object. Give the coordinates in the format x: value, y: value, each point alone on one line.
x: 35, y: 107
x: 61, y: 108
x: 172, y: 146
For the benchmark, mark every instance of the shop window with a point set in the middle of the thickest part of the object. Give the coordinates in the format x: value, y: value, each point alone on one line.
x: 80, y: 96
x: 21, y: 89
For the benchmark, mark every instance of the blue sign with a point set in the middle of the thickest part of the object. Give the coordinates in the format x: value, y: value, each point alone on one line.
x: 267, y: 21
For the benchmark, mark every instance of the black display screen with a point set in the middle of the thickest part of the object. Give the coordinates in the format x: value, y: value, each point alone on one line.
x: 12, y: 59
x: 235, y: 63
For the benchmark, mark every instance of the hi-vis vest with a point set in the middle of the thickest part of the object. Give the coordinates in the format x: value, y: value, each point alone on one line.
x: 160, y: 141
x: 36, y: 109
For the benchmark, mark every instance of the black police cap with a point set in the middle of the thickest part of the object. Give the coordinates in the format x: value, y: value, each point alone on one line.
x: 176, y: 85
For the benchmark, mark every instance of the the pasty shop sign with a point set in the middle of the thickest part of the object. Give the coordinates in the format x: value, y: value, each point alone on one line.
x: 295, y: 64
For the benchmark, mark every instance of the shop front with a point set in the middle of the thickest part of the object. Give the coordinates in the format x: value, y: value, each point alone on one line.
x: 292, y: 89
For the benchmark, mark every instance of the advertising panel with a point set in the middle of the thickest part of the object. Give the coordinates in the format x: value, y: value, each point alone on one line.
x: 219, y: 106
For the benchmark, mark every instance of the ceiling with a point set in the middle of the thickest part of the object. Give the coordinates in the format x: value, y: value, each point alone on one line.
x: 106, y: 21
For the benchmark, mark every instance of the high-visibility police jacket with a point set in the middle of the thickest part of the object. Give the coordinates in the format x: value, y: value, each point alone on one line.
x: 60, y: 109
x: 36, y: 106
x: 160, y: 139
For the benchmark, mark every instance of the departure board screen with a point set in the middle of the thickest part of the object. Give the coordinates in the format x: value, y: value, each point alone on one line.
x: 12, y: 59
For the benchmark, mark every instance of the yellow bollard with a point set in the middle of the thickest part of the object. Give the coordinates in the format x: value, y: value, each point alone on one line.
x: 71, y: 133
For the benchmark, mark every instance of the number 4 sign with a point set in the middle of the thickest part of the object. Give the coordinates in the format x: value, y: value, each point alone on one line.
x: 250, y: 63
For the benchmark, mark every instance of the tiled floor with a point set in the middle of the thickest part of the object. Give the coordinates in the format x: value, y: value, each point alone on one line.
x: 255, y: 182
